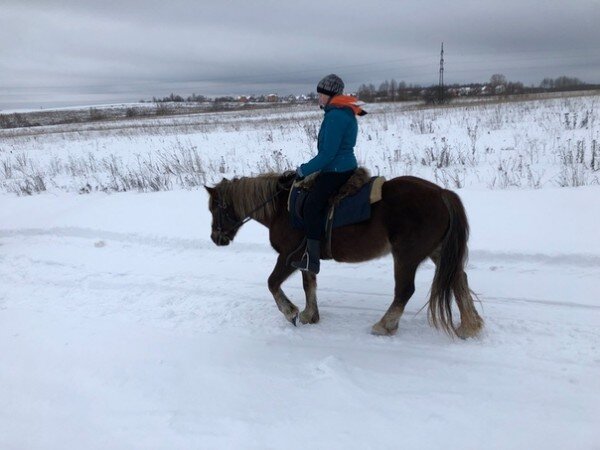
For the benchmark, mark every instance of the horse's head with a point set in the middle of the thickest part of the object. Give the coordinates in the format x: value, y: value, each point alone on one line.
x: 232, y: 203
x: 225, y: 223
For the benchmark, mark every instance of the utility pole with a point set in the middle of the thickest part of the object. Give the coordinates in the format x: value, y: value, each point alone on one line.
x: 441, y: 83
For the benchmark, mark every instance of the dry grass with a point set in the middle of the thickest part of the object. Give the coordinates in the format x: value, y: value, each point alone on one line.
x: 499, y: 145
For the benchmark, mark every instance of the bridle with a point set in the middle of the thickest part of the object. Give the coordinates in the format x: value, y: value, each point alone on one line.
x: 223, y: 213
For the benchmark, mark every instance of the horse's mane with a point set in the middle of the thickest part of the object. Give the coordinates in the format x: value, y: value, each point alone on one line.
x: 247, y: 193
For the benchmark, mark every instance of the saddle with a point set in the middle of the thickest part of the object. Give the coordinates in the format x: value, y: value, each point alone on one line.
x: 351, y: 204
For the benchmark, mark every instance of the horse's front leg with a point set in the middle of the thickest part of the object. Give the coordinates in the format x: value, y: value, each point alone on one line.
x: 280, y: 273
x: 311, y: 312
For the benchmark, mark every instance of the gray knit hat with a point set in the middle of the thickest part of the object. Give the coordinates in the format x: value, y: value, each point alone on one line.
x: 331, y: 85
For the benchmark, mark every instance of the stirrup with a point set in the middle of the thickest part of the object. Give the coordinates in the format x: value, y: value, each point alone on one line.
x: 305, y: 264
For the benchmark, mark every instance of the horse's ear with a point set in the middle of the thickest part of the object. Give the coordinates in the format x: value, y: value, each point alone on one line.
x: 209, y: 189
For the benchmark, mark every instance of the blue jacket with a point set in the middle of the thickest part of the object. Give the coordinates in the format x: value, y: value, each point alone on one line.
x: 337, y: 138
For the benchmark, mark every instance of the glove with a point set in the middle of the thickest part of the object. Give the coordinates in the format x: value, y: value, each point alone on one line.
x: 287, y: 178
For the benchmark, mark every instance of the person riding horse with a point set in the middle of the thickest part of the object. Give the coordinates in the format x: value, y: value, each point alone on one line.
x: 335, y: 161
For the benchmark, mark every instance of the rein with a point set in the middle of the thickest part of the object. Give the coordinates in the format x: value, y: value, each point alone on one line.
x: 222, y: 211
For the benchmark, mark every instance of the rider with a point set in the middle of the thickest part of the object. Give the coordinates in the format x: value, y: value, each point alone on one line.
x: 335, y: 161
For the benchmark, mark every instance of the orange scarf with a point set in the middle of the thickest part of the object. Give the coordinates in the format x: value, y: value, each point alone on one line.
x: 347, y: 101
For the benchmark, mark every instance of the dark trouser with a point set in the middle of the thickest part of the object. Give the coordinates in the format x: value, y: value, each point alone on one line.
x: 316, y: 204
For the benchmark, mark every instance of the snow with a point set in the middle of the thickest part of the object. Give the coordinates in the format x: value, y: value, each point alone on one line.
x: 122, y: 326
x: 529, y: 144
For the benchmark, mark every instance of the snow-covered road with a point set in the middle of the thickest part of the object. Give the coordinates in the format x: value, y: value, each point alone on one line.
x: 123, y: 326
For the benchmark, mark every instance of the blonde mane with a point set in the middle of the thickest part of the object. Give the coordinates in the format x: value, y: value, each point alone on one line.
x: 247, y: 193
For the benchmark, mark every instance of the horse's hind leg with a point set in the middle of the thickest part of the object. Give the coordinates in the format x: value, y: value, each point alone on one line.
x: 311, y: 312
x: 470, y: 320
x: 404, y: 275
x: 280, y: 273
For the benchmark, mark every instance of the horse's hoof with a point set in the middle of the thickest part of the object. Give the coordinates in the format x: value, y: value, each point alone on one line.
x: 466, y: 333
x: 307, y: 317
x: 294, y: 319
x: 379, y: 330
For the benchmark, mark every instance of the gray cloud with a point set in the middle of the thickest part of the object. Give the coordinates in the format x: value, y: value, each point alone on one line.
x: 88, y: 51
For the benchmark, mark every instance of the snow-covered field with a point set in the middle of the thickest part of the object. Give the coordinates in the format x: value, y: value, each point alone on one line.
x: 529, y: 144
x: 122, y: 326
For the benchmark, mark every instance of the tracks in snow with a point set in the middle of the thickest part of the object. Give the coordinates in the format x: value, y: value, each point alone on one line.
x: 571, y: 259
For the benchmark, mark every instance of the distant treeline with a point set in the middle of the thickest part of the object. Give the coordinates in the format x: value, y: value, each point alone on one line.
x: 390, y: 91
x: 178, y: 99
x: 398, y: 91
x: 270, y: 98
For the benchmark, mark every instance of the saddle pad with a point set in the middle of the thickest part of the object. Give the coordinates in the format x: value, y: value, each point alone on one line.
x: 349, y: 210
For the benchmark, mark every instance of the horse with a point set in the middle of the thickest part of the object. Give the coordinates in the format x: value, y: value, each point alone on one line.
x: 414, y: 220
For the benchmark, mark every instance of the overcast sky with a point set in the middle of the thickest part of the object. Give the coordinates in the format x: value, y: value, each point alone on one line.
x: 56, y: 53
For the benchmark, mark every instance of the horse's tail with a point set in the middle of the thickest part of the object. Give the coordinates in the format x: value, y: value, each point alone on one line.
x: 450, y: 277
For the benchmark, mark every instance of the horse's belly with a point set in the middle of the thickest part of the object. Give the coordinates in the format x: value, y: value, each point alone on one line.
x: 357, y: 246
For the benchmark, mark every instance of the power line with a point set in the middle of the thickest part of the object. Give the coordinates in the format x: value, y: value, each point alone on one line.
x: 442, y: 69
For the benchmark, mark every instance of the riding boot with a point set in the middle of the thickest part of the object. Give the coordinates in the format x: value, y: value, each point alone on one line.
x: 311, y: 259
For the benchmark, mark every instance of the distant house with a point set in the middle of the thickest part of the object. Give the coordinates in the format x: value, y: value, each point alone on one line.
x: 243, y: 99
x: 272, y: 98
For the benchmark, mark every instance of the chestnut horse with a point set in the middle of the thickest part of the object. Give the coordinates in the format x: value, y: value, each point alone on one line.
x: 414, y: 220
